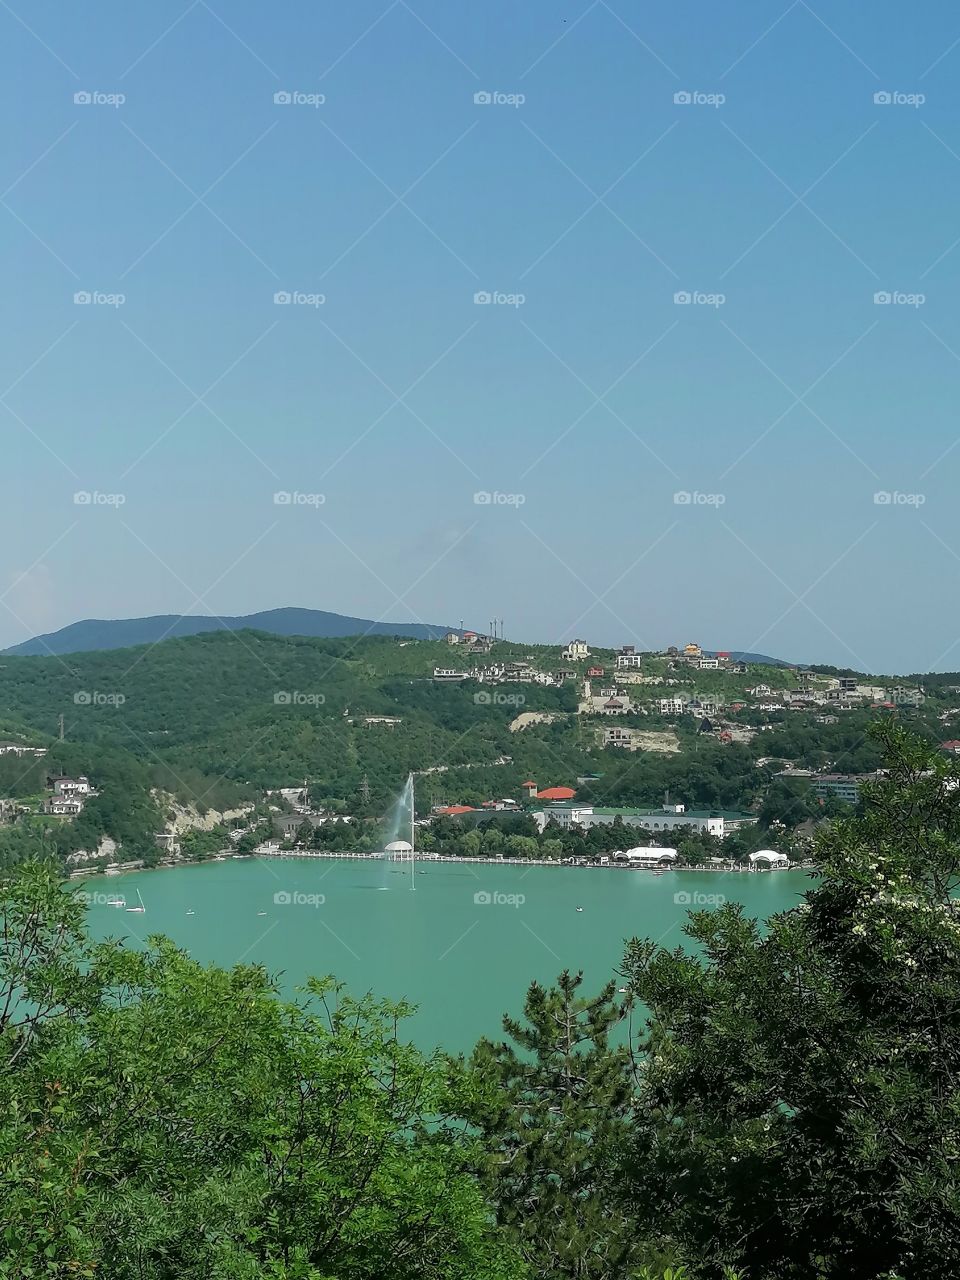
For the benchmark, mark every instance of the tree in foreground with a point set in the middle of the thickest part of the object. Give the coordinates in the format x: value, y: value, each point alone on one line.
x: 554, y: 1109
x: 800, y: 1108
x: 160, y: 1120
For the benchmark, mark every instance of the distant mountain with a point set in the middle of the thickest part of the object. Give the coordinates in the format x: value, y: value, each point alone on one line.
x: 760, y: 658
x: 121, y: 633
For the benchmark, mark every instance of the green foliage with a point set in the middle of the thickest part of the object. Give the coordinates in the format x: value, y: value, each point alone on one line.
x: 799, y: 1113
x: 556, y: 1107
x: 160, y: 1119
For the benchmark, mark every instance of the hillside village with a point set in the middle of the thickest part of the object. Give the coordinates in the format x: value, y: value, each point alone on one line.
x: 540, y: 749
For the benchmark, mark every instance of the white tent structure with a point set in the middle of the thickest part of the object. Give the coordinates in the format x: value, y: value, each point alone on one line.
x: 399, y: 851
x: 768, y: 860
x: 647, y: 856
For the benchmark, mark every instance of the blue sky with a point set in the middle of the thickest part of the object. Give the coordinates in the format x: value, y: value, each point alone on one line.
x: 782, y: 399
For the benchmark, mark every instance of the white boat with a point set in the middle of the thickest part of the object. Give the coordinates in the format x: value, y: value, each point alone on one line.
x: 116, y: 902
x: 191, y: 912
x: 261, y: 913
x: 141, y: 909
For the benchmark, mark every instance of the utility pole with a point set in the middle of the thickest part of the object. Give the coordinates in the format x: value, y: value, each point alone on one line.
x: 61, y: 726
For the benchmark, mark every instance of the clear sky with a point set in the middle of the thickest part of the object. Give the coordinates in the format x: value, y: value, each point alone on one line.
x: 584, y: 195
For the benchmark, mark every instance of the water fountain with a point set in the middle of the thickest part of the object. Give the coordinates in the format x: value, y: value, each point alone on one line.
x: 402, y: 823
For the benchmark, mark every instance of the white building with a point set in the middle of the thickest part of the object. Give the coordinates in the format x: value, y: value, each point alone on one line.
x: 71, y: 786
x: 672, y: 706
x: 629, y: 661
x: 668, y: 818
x: 64, y: 806
x: 575, y: 651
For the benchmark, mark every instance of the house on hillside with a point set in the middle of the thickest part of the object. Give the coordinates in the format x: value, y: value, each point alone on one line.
x: 63, y: 806
x: 629, y: 661
x: 576, y: 651
x: 72, y: 786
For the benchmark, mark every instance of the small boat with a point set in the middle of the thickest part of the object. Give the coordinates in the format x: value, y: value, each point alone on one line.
x: 623, y: 990
x: 141, y: 909
x: 191, y: 912
x: 261, y: 913
x: 116, y: 902
x: 579, y: 908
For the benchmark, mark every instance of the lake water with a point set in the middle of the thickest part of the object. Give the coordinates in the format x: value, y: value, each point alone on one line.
x: 463, y: 944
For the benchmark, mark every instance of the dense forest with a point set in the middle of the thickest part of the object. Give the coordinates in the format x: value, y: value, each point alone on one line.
x: 769, y: 1101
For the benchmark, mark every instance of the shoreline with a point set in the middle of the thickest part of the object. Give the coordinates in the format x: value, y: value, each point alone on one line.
x: 121, y: 869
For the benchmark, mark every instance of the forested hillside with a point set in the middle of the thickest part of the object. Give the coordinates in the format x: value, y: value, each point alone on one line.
x: 214, y: 719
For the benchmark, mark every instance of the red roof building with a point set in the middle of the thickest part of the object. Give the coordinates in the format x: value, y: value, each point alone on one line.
x: 556, y: 793
x: 454, y: 810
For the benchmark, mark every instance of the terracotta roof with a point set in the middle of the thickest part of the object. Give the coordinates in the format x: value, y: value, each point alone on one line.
x: 557, y: 793
x: 454, y: 810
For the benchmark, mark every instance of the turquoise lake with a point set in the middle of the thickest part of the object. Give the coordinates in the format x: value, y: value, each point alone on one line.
x: 460, y: 940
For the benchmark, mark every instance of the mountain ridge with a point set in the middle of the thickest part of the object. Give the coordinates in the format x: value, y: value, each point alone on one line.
x: 98, y: 634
